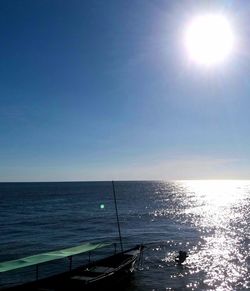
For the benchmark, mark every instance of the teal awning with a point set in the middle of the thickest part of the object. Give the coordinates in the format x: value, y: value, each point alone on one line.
x: 49, y: 256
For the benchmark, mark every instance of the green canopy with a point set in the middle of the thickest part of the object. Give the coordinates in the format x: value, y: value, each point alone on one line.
x: 49, y: 256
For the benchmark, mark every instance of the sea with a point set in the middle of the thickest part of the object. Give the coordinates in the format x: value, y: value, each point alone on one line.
x: 210, y: 220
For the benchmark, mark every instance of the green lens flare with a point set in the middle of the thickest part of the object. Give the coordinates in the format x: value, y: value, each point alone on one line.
x: 102, y: 206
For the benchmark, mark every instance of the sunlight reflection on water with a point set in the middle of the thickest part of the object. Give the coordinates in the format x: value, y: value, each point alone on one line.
x: 218, y: 210
x: 208, y: 219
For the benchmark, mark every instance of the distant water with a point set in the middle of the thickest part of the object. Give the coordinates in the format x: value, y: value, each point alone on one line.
x: 209, y: 219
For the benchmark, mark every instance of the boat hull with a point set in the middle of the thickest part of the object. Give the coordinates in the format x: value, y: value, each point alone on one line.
x: 105, y: 272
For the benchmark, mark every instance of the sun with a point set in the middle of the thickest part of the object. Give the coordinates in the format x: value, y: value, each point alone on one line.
x: 209, y: 39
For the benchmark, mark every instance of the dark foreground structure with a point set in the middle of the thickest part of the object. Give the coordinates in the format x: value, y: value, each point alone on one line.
x: 93, y: 276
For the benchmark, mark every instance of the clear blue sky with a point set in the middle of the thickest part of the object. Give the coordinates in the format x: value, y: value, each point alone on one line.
x: 101, y: 90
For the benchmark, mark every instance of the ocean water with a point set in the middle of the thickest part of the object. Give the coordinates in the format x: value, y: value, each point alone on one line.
x: 208, y: 219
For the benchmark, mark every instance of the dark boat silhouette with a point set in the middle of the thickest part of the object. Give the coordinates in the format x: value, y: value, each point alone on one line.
x: 92, y: 275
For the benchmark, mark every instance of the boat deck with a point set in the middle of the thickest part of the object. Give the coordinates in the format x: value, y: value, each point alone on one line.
x: 87, y: 277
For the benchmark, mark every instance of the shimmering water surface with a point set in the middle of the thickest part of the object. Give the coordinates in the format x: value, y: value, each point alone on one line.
x: 208, y: 219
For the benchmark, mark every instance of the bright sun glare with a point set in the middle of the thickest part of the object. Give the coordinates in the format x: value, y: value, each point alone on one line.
x: 209, y: 39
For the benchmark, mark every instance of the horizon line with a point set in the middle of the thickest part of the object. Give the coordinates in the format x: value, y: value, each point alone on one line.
x: 132, y: 180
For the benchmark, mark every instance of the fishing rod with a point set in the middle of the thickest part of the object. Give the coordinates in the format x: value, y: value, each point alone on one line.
x: 117, y: 217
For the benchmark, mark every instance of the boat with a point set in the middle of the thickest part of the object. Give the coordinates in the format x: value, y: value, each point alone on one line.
x: 103, y: 272
x: 107, y: 270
